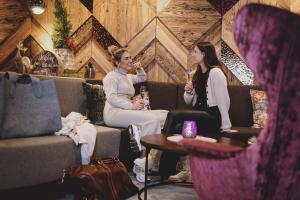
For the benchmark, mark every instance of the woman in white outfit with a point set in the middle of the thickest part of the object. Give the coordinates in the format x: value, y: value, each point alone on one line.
x: 120, y: 110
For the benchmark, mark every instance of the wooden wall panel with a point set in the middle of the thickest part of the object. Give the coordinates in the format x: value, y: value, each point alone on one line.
x: 169, y: 63
x: 147, y: 55
x: 12, y: 14
x: 10, y: 43
x: 188, y: 20
x: 159, y: 33
x: 123, y: 19
x: 175, y: 47
x: 156, y: 73
x: 140, y: 41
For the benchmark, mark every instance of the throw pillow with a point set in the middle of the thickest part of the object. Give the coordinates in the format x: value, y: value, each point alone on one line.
x: 260, y: 108
x: 95, y: 101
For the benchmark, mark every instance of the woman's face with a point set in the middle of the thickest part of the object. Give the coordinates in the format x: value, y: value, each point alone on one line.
x: 197, y: 55
x: 126, y: 61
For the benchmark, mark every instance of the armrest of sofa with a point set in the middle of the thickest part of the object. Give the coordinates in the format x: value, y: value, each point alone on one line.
x: 219, y: 150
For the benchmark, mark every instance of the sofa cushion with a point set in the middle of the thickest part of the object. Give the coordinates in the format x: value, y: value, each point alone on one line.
x: 70, y: 94
x: 260, y: 107
x: 240, y: 111
x: 162, y: 95
x: 95, y: 101
x: 107, y: 142
x: 35, y: 160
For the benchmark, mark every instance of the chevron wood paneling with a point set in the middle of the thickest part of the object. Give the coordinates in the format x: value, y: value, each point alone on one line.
x: 188, y: 20
x: 12, y: 14
x: 123, y: 19
x: 78, y: 14
x: 10, y: 44
x: 156, y: 73
x: 161, y: 5
x: 141, y: 40
x: 147, y: 55
x: 159, y: 34
x: 174, y: 46
x: 169, y: 64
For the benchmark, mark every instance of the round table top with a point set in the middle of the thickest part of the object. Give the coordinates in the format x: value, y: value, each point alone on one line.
x: 160, y: 142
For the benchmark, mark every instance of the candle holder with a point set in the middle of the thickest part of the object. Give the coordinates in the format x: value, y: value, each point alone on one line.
x: 189, y: 129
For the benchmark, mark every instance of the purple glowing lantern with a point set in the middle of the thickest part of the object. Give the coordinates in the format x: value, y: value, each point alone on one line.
x: 189, y: 129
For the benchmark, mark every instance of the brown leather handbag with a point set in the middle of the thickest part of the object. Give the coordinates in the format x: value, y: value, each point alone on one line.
x: 105, y: 179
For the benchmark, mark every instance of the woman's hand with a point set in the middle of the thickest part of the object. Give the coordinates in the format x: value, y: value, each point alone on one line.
x: 137, y: 65
x: 188, y: 88
x: 138, y: 104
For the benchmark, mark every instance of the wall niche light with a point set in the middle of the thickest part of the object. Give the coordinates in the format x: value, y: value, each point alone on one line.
x: 37, y: 6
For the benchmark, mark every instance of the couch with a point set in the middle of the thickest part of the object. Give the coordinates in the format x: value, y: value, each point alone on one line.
x: 37, y: 160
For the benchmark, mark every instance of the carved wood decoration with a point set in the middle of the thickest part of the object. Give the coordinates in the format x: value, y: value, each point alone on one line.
x: 157, y: 33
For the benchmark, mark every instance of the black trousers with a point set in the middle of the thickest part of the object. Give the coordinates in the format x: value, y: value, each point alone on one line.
x: 208, y: 122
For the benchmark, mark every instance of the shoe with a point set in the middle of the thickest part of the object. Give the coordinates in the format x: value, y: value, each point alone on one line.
x: 182, y: 176
x: 134, y: 142
x: 139, y: 173
x: 142, y: 161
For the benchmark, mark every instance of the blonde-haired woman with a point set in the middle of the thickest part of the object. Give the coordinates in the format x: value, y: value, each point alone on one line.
x: 120, y: 110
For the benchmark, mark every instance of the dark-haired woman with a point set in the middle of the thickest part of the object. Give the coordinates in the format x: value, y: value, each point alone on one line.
x: 120, y: 110
x: 206, y: 92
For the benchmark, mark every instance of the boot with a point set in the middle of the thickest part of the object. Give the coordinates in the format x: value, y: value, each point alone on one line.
x: 184, y: 174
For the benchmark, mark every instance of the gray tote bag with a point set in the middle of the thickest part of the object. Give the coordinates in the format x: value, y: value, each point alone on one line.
x: 31, y: 108
x: 4, y: 81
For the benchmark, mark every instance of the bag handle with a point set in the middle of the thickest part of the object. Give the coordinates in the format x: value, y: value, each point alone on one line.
x: 11, y: 76
x: 26, y: 79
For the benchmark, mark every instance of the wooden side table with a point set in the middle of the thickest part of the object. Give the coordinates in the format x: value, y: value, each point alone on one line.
x: 160, y: 142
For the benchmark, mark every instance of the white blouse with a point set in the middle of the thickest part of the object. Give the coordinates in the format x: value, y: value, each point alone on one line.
x: 217, y: 95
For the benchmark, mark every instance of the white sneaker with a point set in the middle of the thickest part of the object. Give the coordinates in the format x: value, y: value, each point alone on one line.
x: 136, y: 133
x: 139, y: 173
x: 141, y: 162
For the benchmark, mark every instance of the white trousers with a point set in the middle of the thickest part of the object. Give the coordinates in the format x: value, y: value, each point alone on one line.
x: 148, y: 121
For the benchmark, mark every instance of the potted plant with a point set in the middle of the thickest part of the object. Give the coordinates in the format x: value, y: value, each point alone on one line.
x: 63, y: 43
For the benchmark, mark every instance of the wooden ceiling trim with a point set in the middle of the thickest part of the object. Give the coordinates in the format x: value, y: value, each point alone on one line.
x: 10, y: 43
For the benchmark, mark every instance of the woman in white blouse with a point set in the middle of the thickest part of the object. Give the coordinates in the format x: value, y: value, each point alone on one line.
x: 120, y: 110
x: 206, y: 92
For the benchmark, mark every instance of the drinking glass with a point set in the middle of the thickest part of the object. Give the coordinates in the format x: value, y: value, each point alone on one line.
x: 189, y: 129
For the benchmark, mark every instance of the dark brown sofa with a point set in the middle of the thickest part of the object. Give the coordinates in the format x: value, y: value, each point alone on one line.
x: 170, y: 96
x: 36, y: 160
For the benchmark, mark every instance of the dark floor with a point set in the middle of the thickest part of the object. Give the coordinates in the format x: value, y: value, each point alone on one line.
x: 55, y: 191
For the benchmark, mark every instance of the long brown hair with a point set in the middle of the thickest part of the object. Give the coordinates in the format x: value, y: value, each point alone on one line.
x: 210, y: 59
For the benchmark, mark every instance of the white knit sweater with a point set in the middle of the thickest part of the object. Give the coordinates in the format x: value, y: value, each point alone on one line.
x: 217, y: 95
